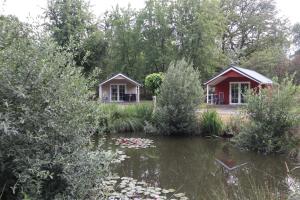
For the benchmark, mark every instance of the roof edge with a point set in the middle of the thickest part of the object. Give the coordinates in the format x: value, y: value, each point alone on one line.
x: 120, y: 74
x: 238, y: 71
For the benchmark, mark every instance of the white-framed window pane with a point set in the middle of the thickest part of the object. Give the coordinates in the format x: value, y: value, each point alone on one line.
x: 234, y: 93
x: 121, y: 92
x: 114, y: 92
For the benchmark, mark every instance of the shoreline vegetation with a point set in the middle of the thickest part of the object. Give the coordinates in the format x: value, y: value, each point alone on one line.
x: 267, y: 124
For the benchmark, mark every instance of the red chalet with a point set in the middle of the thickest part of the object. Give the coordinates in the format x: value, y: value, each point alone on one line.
x: 229, y: 86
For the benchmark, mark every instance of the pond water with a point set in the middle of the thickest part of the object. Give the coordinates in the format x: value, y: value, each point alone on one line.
x: 188, y: 164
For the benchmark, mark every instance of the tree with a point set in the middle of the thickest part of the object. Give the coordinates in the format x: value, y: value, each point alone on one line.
x: 71, y: 22
x: 147, y: 41
x: 46, y: 122
x: 156, y: 22
x: 271, y: 62
x: 153, y: 82
x: 251, y: 26
x: 180, y: 94
x: 198, y: 25
x: 68, y: 19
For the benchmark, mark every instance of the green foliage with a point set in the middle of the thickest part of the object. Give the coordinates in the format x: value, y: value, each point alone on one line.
x: 251, y: 26
x: 45, y: 122
x: 124, y: 40
x: 270, y: 61
x: 146, y: 41
x: 211, y: 123
x: 180, y: 94
x: 68, y: 19
x: 72, y: 26
x: 126, y: 118
x: 272, y: 114
x: 153, y: 82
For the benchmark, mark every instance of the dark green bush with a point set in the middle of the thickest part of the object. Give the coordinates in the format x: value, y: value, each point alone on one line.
x: 211, y: 123
x: 271, y: 114
x: 180, y: 94
x: 45, y: 121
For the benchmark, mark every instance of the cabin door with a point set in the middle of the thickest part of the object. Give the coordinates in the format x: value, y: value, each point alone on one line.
x: 237, y: 92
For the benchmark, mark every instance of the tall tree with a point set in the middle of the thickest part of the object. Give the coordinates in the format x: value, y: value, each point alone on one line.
x: 251, y: 25
x: 68, y: 19
x: 156, y: 22
x: 198, y: 26
x: 124, y: 42
x: 71, y: 24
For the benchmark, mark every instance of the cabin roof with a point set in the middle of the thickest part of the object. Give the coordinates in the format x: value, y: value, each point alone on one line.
x: 251, y: 74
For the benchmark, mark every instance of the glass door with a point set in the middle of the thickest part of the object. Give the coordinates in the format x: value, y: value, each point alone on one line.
x: 114, y: 92
x: 121, y: 92
x: 238, y: 92
x: 117, y: 92
x: 234, y: 92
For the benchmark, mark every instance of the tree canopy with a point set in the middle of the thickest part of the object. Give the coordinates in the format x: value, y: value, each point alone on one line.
x: 209, y: 34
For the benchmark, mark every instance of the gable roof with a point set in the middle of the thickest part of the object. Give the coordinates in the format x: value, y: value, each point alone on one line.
x: 120, y: 74
x: 253, y: 75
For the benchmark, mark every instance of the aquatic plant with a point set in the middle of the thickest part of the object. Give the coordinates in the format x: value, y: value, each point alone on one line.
x: 128, y: 188
x: 136, y: 143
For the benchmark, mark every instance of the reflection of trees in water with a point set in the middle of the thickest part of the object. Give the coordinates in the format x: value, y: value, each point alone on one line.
x: 188, y: 162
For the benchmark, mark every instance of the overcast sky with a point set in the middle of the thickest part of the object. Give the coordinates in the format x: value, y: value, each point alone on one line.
x: 31, y: 9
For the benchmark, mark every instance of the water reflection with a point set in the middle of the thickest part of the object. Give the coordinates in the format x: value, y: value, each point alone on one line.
x: 189, y: 165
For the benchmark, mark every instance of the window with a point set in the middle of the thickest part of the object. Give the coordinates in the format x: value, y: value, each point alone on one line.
x: 121, y: 92
x: 117, y: 92
x: 114, y: 92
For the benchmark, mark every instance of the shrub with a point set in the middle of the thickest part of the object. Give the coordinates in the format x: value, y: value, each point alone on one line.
x: 45, y: 122
x: 179, y: 96
x: 153, y: 82
x: 211, y: 123
x: 271, y: 117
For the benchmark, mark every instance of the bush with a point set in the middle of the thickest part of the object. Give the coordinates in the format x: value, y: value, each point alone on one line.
x: 153, y: 82
x: 179, y: 96
x: 272, y: 114
x: 45, y: 122
x: 211, y: 123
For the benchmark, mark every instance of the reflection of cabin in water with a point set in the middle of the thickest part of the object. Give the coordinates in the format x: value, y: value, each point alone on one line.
x: 229, y: 86
x: 119, y: 88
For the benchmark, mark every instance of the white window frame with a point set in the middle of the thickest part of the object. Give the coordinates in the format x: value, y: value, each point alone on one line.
x: 240, y: 91
x: 118, y: 94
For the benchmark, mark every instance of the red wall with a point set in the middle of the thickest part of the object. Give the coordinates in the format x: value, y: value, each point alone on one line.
x: 232, y: 76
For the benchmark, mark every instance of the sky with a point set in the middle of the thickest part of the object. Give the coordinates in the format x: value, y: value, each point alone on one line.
x: 28, y: 10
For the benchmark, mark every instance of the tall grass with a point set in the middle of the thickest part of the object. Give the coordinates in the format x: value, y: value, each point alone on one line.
x: 211, y: 123
x: 127, y: 118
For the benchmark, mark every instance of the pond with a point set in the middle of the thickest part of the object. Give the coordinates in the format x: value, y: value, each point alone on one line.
x: 189, y: 165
